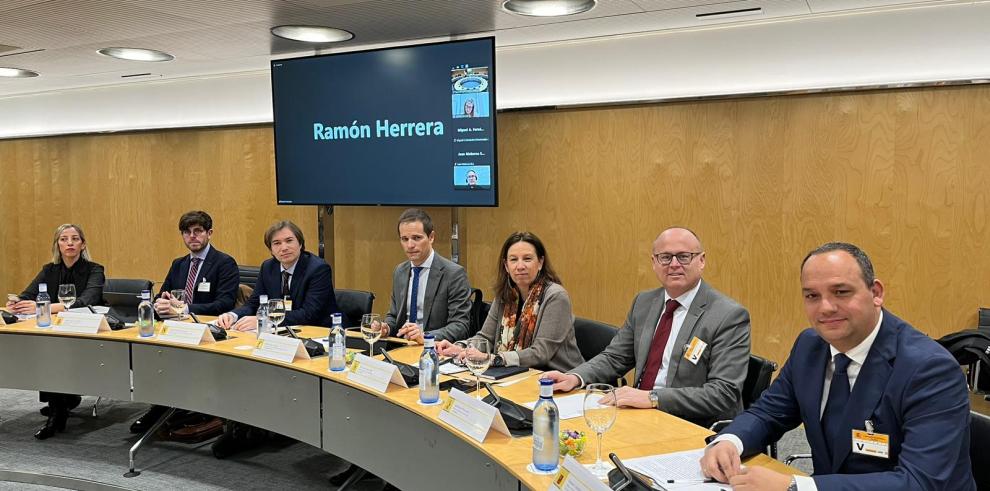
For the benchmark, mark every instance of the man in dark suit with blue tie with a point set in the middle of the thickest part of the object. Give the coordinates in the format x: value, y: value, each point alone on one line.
x: 208, y: 277
x: 292, y: 273
x: 884, y: 406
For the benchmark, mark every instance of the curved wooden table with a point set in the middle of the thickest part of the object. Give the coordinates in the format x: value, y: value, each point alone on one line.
x: 389, y: 434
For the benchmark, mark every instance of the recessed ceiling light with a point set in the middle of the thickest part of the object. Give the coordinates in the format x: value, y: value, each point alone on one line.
x: 312, y: 34
x: 17, y: 72
x: 547, y: 8
x: 136, y: 54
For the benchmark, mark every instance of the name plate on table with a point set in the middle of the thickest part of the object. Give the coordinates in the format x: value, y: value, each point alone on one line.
x: 374, y: 374
x: 278, y: 348
x: 80, y: 323
x: 575, y: 477
x: 185, y: 333
x: 470, y: 416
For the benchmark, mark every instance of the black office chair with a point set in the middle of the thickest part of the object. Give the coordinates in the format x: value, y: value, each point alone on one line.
x: 478, y: 312
x: 248, y: 275
x: 979, y: 451
x: 759, y: 373
x: 353, y: 304
x: 127, y: 285
x: 592, y: 336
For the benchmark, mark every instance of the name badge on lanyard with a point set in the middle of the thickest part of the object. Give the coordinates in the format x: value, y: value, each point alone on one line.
x: 870, y: 443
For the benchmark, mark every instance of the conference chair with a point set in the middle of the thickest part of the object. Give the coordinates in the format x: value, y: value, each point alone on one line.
x: 478, y: 312
x: 353, y: 304
x: 592, y: 336
x: 248, y: 275
x: 979, y: 451
x: 758, y: 377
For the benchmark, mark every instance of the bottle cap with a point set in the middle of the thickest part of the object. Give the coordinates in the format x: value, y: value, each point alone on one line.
x: 42, y: 287
x: 145, y: 294
x: 264, y: 299
x: 337, y: 318
x: 429, y: 341
x: 546, y: 387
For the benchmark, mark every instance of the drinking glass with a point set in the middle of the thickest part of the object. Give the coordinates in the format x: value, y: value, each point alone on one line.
x: 276, y: 312
x: 371, y: 330
x: 599, y: 418
x: 67, y: 295
x: 478, y: 357
x: 178, y: 303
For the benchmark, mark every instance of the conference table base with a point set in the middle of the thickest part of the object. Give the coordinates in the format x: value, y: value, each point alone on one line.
x: 403, y: 448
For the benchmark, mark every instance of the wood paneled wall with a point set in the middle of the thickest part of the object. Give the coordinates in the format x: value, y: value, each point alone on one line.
x: 902, y: 173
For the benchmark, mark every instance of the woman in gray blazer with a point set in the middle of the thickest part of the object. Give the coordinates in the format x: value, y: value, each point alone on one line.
x: 531, y: 323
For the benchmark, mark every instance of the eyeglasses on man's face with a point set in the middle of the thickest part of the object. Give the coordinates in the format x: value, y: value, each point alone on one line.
x: 685, y: 258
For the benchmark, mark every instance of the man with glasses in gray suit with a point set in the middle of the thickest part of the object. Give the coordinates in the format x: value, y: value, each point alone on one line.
x: 689, y: 343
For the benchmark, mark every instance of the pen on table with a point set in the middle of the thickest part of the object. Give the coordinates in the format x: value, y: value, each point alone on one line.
x: 689, y: 481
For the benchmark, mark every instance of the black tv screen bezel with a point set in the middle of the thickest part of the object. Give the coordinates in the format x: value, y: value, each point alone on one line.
x: 494, y: 115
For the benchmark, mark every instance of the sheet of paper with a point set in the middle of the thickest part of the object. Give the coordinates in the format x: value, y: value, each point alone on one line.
x: 678, y: 466
x: 471, y: 416
x: 575, y: 477
x: 571, y: 406
x: 371, y: 373
x: 450, y: 369
x: 185, y: 333
x: 278, y: 348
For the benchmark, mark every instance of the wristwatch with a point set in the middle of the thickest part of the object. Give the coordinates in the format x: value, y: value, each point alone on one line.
x: 498, y: 361
x: 793, y: 485
x: 654, y: 400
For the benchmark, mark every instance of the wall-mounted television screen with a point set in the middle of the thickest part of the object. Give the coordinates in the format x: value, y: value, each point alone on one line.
x: 411, y: 125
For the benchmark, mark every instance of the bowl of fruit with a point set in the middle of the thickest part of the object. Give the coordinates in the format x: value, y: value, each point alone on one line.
x: 572, y: 443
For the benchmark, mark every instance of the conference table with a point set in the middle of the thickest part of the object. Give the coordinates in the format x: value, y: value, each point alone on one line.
x: 390, y: 434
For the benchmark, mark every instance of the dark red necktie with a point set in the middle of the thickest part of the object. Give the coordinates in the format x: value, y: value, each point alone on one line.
x: 659, y: 343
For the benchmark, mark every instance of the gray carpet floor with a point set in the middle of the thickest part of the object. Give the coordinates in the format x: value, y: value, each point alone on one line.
x: 96, y: 449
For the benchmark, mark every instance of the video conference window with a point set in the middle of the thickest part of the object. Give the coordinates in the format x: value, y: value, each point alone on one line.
x: 470, y: 176
x: 469, y: 86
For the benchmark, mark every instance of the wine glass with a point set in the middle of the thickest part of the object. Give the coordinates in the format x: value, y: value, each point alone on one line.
x: 276, y: 312
x: 599, y: 418
x: 178, y: 303
x: 371, y: 329
x: 478, y: 358
x: 67, y: 295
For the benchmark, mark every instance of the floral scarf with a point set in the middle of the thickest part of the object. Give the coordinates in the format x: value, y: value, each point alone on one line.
x: 518, y: 333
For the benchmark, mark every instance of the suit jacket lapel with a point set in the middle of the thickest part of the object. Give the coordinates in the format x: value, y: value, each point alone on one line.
x: 402, y: 281
x: 869, y: 386
x: 811, y: 393
x: 686, y: 331
x: 648, y: 326
x: 297, y: 279
x: 432, y: 285
x: 207, y: 265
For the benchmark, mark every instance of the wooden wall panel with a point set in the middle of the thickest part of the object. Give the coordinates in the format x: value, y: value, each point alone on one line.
x: 902, y: 173
x: 128, y: 190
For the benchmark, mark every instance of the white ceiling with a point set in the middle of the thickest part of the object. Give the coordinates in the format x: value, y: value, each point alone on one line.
x: 59, y: 38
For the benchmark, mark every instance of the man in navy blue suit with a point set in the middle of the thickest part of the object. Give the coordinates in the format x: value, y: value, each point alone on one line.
x: 290, y: 273
x: 884, y: 406
x: 208, y: 276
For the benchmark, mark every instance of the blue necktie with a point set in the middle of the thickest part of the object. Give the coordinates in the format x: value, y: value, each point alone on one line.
x: 838, y: 398
x: 415, y: 294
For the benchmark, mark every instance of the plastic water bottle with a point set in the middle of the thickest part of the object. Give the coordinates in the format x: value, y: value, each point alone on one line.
x: 146, y: 315
x: 337, y: 344
x: 546, y: 428
x: 263, y: 315
x: 44, y: 303
x: 429, y: 372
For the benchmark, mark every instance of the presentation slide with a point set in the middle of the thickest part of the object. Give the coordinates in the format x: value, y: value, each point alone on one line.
x: 387, y: 127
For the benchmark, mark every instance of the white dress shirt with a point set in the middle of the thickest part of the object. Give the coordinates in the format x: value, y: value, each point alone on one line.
x: 679, y: 315
x: 424, y: 274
